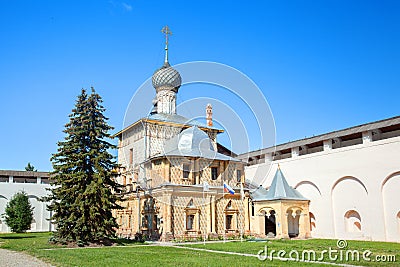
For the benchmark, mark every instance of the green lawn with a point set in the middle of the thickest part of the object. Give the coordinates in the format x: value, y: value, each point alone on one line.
x: 317, y: 245
x: 128, y: 254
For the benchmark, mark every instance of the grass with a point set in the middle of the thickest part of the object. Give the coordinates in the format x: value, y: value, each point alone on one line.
x: 318, y: 245
x: 128, y: 254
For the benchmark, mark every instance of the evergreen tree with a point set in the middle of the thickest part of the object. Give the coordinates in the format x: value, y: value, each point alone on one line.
x: 83, y: 196
x: 30, y: 168
x: 19, y: 213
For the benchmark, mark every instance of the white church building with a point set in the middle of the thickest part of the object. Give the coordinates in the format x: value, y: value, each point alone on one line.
x: 350, y: 176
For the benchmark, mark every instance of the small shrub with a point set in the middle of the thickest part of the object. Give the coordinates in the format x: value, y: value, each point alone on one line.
x: 19, y: 213
x: 139, y: 237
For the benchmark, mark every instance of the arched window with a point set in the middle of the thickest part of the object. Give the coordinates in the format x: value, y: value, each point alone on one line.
x: 352, y: 221
x: 191, y: 216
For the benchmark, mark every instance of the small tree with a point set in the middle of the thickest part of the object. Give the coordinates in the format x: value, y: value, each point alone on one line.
x: 30, y: 168
x: 19, y: 213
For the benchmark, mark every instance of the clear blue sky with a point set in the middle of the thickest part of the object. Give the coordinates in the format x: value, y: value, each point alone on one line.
x: 322, y: 65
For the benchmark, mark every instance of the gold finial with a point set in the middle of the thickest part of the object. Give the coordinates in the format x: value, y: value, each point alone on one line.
x: 167, y: 32
x: 279, y: 166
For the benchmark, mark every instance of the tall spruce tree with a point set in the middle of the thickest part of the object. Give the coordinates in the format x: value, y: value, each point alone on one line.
x: 83, y: 195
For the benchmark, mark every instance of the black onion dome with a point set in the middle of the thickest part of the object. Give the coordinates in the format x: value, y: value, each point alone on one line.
x: 166, y: 76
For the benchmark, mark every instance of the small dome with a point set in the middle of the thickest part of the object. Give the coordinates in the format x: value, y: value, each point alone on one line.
x: 190, y: 142
x: 166, y: 77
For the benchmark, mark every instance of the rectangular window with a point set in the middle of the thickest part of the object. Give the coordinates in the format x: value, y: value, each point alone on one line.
x: 229, y: 219
x: 189, y: 222
x: 214, y: 173
x: 131, y: 156
x: 252, y: 209
x: 186, y: 170
x: 239, y: 175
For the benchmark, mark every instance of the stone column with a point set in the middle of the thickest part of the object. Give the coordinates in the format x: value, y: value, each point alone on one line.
x: 168, y: 219
x: 284, y: 228
x: 302, y: 230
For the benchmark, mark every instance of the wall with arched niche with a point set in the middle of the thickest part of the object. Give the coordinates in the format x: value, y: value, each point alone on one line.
x: 37, y: 213
x: 391, y: 208
x: 312, y: 192
x: 343, y: 201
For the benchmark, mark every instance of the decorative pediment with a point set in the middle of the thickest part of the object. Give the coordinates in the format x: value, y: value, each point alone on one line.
x: 191, y: 208
x: 231, y: 207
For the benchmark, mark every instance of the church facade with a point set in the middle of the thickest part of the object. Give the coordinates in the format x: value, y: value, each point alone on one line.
x: 181, y: 184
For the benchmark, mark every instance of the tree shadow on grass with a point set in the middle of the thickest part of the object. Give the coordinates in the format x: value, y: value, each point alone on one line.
x: 17, y: 237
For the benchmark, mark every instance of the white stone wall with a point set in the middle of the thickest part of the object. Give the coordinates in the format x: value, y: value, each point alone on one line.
x: 361, y: 179
x: 34, y: 191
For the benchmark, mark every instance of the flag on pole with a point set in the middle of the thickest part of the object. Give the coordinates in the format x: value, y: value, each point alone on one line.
x: 228, y: 189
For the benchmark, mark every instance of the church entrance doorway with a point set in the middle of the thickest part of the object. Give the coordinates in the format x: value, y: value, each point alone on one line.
x: 270, y: 224
x: 293, y: 223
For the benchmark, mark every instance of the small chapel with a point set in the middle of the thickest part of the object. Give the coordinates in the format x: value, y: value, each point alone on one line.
x: 174, y: 173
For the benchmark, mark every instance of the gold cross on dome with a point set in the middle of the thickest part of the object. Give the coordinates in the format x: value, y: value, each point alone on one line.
x: 167, y: 32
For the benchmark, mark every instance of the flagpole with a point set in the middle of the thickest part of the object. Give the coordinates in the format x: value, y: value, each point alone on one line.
x: 204, y: 214
x: 223, y: 211
x: 242, y: 199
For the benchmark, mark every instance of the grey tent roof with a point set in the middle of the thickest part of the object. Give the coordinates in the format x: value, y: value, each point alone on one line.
x: 192, y: 142
x: 279, y: 189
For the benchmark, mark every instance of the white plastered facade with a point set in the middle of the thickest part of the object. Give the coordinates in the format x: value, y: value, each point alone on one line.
x: 353, y: 190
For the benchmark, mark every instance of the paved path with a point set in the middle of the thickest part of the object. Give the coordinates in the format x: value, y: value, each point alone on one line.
x: 10, y: 258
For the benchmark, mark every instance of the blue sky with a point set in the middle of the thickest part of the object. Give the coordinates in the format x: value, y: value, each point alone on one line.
x: 322, y: 65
